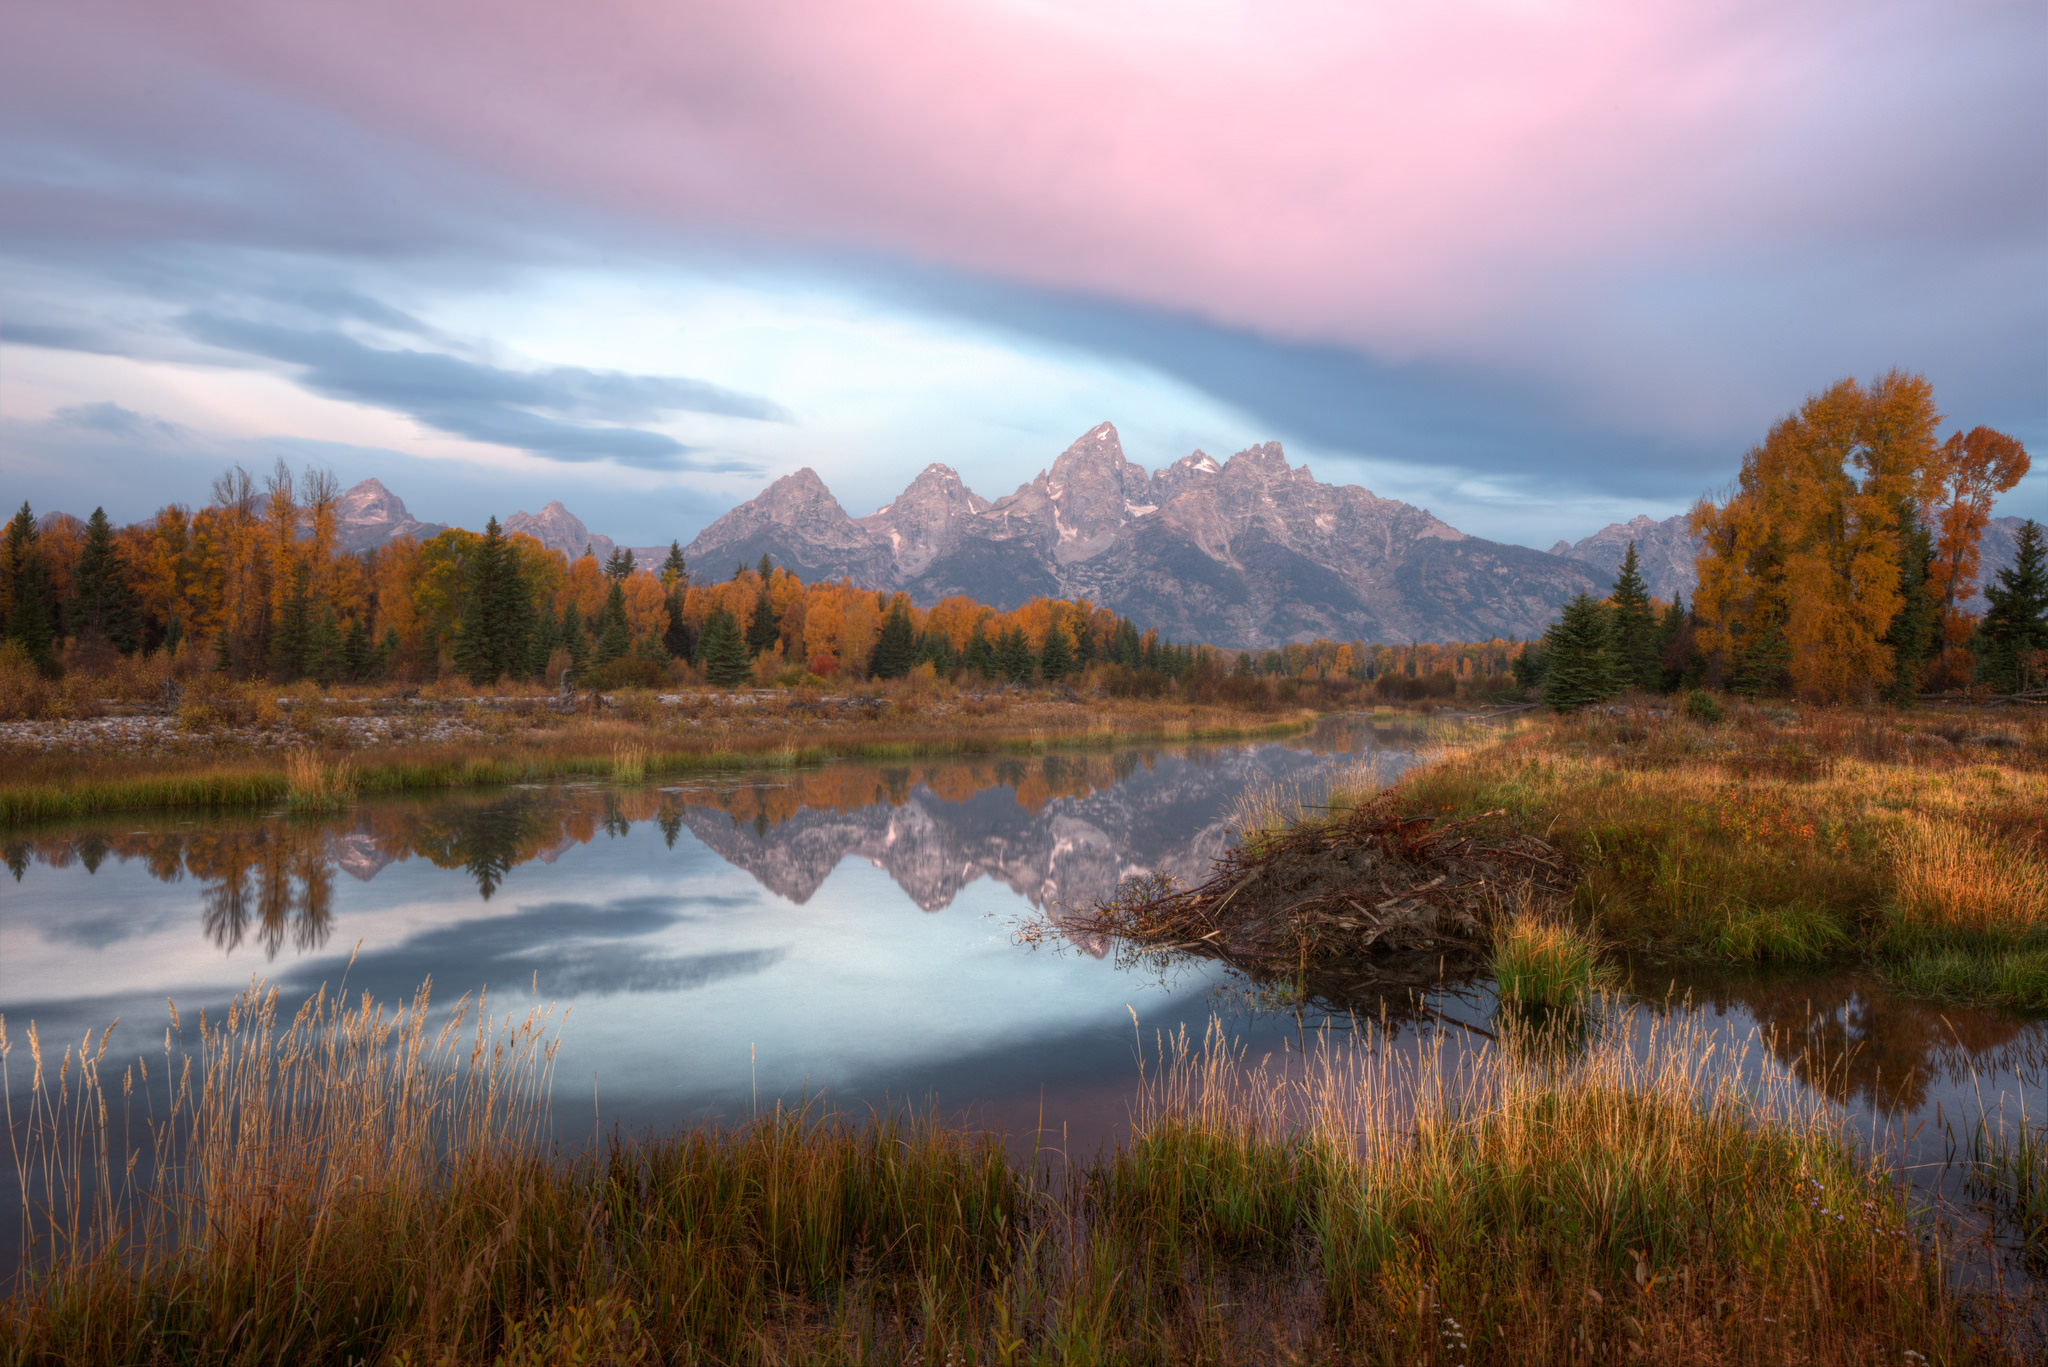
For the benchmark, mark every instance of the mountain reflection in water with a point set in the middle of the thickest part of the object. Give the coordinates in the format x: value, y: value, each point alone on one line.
x: 724, y: 938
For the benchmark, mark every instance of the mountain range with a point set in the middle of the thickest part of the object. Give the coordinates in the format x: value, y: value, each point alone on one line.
x: 1247, y: 552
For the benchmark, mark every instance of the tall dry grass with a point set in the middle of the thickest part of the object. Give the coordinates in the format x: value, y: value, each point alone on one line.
x: 356, y: 1187
x: 1789, y: 836
x: 314, y: 784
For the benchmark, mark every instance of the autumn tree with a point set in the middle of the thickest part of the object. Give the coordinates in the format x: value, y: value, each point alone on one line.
x: 1804, y: 560
x: 1969, y: 471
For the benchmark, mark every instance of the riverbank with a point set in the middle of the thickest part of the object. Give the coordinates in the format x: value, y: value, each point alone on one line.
x: 1917, y: 841
x: 249, y: 748
x: 1635, y: 1200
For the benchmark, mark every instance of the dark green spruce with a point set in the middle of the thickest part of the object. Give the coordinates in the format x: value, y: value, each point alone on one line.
x: 1581, y: 656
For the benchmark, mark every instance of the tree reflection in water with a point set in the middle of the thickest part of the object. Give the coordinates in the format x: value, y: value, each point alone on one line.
x: 1848, y: 1036
x: 269, y: 882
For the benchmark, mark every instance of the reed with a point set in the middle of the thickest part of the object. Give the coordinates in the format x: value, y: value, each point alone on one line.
x: 1544, y: 961
x: 316, y: 785
x: 629, y: 762
x: 358, y: 1186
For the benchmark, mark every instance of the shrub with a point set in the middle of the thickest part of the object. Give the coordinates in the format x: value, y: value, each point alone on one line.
x: 214, y: 700
x: 628, y: 672
x: 25, y: 695
x: 1701, y: 707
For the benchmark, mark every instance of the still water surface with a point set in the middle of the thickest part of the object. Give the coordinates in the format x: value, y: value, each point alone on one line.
x: 725, y: 942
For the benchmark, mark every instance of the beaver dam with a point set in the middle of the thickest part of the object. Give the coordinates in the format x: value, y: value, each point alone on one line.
x: 1356, y: 902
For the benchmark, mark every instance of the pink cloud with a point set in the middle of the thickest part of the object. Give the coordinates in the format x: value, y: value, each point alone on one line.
x: 1400, y: 176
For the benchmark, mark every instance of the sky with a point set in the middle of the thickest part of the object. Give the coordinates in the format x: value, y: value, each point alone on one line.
x: 1537, y: 267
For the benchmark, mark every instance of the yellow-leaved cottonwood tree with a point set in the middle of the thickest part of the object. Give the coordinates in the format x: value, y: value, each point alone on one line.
x: 1804, y: 570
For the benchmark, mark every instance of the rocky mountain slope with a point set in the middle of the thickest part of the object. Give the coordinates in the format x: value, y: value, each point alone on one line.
x: 1247, y: 552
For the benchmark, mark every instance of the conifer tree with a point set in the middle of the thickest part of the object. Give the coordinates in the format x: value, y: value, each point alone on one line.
x: 895, y: 649
x: 576, y: 641
x: 675, y: 571
x: 765, y: 568
x: 977, y: 658
x: 355, y: 650
x: 721, y: 650
x: 1581, y: 656
x: 937, y: 651
x: 497, y: 611
x: 619, y: 565
x: 762, y: 631
x: 677, y: 637
x: 1013, y: 656
x: 30, y: 612
x: 1634, y: 629
x: 1914, y: 633
x: 614, y: 631
x: 540, y: 645
x: 291, y: 644
x: 1057, y: 660
x: 2016, y: 623
x: 102, y: 602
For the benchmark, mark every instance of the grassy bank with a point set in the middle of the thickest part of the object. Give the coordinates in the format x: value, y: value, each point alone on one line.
x: 1919, y: 841
x: 303, y: 755
x: 1352, y: 1207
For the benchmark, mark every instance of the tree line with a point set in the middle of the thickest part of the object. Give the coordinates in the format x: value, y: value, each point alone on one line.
x: 1837, y: 569
x: 255, y: 584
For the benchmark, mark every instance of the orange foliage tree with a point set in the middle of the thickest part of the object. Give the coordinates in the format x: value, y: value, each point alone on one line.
x: 1969, y: 470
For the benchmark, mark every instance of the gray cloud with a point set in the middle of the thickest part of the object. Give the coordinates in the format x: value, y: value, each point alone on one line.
x: 111, y: 419
x: 488, y: 403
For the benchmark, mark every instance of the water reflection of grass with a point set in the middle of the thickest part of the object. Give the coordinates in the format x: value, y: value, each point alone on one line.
x: 354, y: 1187
x: 1790, y: 837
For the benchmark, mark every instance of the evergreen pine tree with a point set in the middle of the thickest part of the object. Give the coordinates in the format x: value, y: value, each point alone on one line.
x: 1581, y: 656
x: 619, y: 566
x: 323, y: 650
x: 576, y: 641
x: 765, y: 568
x: 540, y: 645
x: 355, y: 650
x: 387, y: 654
x: 291, y: 644
x: 1915, y: 630
x: 614, y: 631
x: 102, y: 602
x: 497, y: 612
x: 1634, y: 629
x: 937, y: 651
x: 896, y: 646
x: 1013, y: 656
x: 1674, y: 643
x: 1086, y: 648
x: 675, y: 571
x: 31, y: 612
x: 762, y: 631
x: 1764, y: 664
x: 1057, y: 660
x: 977, y: 658
x: 2016, y: 623
x: 677, y: 638
x: 722, y: 651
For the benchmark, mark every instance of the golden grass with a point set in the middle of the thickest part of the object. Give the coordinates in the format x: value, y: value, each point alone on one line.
x: 1547, y: 962
x: 358, y: 1186
x: 313, y: 784
x: 701, y: 733
x: 629, y: 762
x: 1779, y: 835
